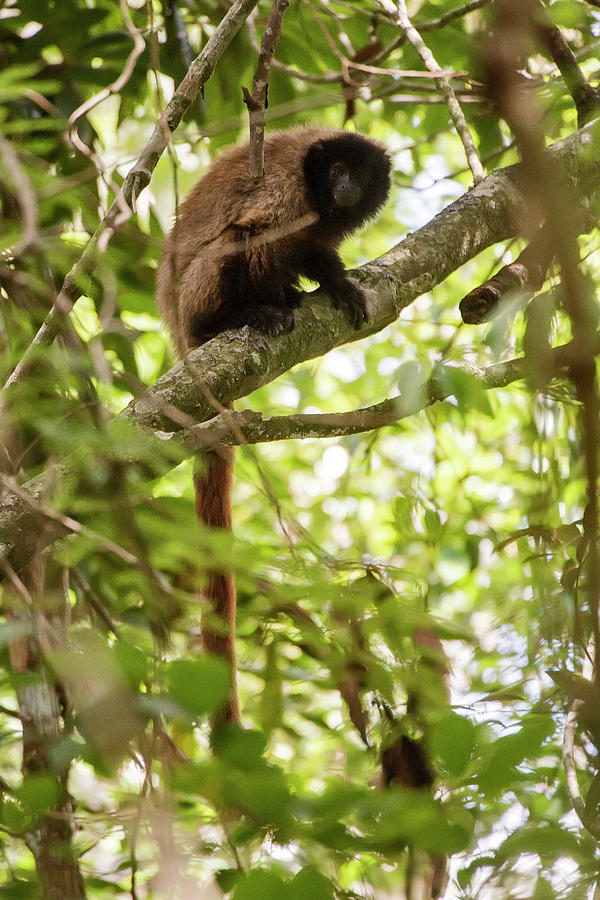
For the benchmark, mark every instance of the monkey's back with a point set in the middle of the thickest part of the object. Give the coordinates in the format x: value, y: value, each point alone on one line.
x: 228, y: 194
x: 227, y: 199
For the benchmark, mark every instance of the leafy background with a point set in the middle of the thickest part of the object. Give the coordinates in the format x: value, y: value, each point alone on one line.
x: 465, y: 519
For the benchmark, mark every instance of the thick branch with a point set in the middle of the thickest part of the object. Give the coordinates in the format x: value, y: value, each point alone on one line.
x: 235, y: 363
x: 525, y: 275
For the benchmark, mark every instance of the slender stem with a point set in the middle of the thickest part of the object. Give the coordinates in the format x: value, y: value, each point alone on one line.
x: 442, y: 83
x: 257, y: 102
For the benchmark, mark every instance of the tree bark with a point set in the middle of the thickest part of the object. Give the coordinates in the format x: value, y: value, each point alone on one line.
x: 50, y: 835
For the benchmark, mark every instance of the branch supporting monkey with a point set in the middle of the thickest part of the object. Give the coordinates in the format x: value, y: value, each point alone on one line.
x: 234, y: 258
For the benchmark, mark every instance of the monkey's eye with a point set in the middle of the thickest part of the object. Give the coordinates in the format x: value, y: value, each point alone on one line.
x: 337, y: 171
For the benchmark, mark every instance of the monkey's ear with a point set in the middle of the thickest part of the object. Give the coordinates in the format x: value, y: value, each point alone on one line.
x: 318, y: 146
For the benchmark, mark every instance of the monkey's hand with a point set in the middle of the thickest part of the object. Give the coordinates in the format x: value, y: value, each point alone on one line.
x: 349, y: 297
x: 324, y: 266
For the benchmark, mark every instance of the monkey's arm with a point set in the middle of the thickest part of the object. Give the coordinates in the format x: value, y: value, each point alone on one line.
x: 322, y: 264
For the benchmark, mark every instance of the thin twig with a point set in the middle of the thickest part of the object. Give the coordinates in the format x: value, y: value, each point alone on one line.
x: 331, y: 77
x: 311, y: 78
x: 24, y: 195
x: 398, y: 9
x: 452, y: 15
x: 12, y: 714
x: 406, y: 73
x: 95, y: 601
x: 259, y: 100
x: 19, y: 587
x: 139, y: 45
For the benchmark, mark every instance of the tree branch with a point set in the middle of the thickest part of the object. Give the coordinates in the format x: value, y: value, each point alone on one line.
x: 258, y: 101
x: 525, y: 275
x: 233, y: 428
x: 585, y: 97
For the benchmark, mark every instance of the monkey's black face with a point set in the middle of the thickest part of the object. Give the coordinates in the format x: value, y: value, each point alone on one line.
x: 346, y: 187
x: 348, y: 179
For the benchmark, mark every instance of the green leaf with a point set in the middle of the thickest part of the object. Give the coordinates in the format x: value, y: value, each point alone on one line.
x: 227, y: 879
x: 310, y: 883
x: 271, y: 699
x: 133, y: 661
x: 508, y: 752
x: 469, y: 392
x: 38, y: 792
x: 592, y: 800
x: 200, y: 685
x: 410, y: 379
x: 239, y: 747
x: 452, y: 740
x: 13, y: 816
x: 261, y: 884
x: 549, y: 841
x: 565, y: 13
x: 433, y: 525
x: 263, y: 792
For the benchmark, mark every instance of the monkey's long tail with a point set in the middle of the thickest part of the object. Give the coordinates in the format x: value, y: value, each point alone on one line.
x: 213, y: 508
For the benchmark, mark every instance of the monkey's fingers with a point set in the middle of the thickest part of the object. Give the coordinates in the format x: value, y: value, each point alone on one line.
x: 352, y: 300
x: 292, y: 297
x: 270, y: 319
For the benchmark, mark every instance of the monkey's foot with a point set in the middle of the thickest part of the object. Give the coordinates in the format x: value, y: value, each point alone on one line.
x: 293, y: 298
x: 270, y: 319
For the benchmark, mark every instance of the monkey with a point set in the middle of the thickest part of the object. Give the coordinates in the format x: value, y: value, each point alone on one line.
x: 233, y: 259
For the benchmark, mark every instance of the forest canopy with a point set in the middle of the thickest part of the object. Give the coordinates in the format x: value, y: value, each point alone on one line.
x: 415, y: 507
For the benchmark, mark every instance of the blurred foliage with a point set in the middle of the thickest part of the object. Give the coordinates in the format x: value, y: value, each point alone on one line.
x: 465, y: 521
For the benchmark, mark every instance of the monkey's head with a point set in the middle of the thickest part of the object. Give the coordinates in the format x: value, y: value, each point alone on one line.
x: 348, y: 179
